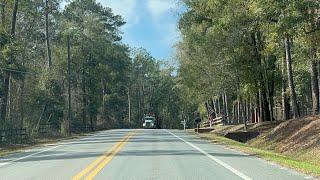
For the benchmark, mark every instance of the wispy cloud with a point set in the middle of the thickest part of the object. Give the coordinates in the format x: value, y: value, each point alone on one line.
x: 159, y: 7
x: 163, y: 12
x: 151, y: 24
x: 125, y: 8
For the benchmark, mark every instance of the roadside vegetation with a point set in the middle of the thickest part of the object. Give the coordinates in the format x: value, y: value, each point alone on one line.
x: 252, y: 62
x: 64, y: 69
x: 255, y: 60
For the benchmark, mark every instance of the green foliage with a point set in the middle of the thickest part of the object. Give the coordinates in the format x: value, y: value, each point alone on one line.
x: 237, y: 47
x: 40, y: 93
x: 104, y: 78
x: 153, y: 91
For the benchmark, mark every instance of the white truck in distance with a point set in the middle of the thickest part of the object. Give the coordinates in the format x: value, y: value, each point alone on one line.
x: 149, y: 121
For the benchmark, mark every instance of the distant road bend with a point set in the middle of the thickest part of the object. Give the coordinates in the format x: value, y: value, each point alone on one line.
x: 140, y: 155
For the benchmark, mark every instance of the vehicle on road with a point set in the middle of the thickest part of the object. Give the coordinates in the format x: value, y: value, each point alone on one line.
x: 149, y: 121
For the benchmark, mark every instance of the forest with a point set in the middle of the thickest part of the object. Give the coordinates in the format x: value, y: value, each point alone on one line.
x: 66, y: 69
x: 250, y: 60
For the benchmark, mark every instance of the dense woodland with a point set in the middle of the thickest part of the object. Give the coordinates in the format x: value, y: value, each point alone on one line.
x: 255, y: 60
x: 66, y: 68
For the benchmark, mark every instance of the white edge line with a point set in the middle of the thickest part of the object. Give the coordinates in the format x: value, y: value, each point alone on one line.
x: 58, y: 145
x: 24, y: 157
x: 225, y: 165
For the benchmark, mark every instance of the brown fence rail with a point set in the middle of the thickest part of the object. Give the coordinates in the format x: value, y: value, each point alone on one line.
x: 214, y: 122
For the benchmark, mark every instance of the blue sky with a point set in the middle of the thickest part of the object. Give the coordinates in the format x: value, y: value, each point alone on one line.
x: 151, y: 24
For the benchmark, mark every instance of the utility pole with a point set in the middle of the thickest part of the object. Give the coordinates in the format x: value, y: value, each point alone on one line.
x: 69, y: 86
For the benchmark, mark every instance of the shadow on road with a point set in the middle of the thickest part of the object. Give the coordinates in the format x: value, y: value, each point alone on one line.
x: 86, y: 148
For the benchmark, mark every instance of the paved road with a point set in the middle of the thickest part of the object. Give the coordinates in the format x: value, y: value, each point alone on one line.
x: 139, y: 155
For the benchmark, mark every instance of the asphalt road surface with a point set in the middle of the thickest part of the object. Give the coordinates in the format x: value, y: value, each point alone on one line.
x: 139, y: 155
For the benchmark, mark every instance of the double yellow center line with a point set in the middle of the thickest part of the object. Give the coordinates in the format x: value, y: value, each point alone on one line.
x: 96, y: 166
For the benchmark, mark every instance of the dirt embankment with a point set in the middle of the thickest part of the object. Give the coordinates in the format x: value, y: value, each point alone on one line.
x: 295, y: 135
x: 299, y: 138
x: 292, y: 136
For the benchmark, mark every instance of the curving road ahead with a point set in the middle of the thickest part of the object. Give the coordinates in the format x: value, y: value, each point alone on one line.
x: 139, y: 155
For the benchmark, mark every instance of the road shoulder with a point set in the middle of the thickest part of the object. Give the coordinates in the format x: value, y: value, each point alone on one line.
x: 282, y: 160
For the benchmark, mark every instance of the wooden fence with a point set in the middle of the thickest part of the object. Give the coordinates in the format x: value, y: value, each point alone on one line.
x: 215, y: 122
x: 223, y: 120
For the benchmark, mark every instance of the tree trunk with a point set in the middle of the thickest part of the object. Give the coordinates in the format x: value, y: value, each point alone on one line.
x: 4, y: 98
x: 226, y: 106
x: 233, y: 113
x: 285, y: 99
x: 69, y: 87
x: 211, y: 103
x: 238, y: 112
x: 7, y: 75
x: 91, y: 122
x: 251, y: 113
x: 84, y: 99
x: 255, y: 115
x: 207, y: 108
x: 3, y: 14
x: 104, y: 90
x: 47, y: 34
x: 22, y: 96
x: 223, y: 110
x: 14, y: 18
x: 260, y: 107
x: 218, y: 105
x: 314, y: 82
x: 247, y: 111
x: 129, y: 105
x: 293, y: 95
x: 9, y: 104
x: 244, y: 120
x: 265, y: 93
x: 268, y: 105
x: 139, y: 106
x: 318, y: 72
x: 22, y: 104
x: 143, y: 100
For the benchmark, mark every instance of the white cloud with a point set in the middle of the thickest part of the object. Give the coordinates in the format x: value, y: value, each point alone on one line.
x: 125, y: 8
x: 159, y: 7
x: 163, y: 12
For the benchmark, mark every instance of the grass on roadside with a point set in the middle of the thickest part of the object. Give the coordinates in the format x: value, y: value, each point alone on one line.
x: 10, y: 150
x: 35, y: 143
x: 305, y: 165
